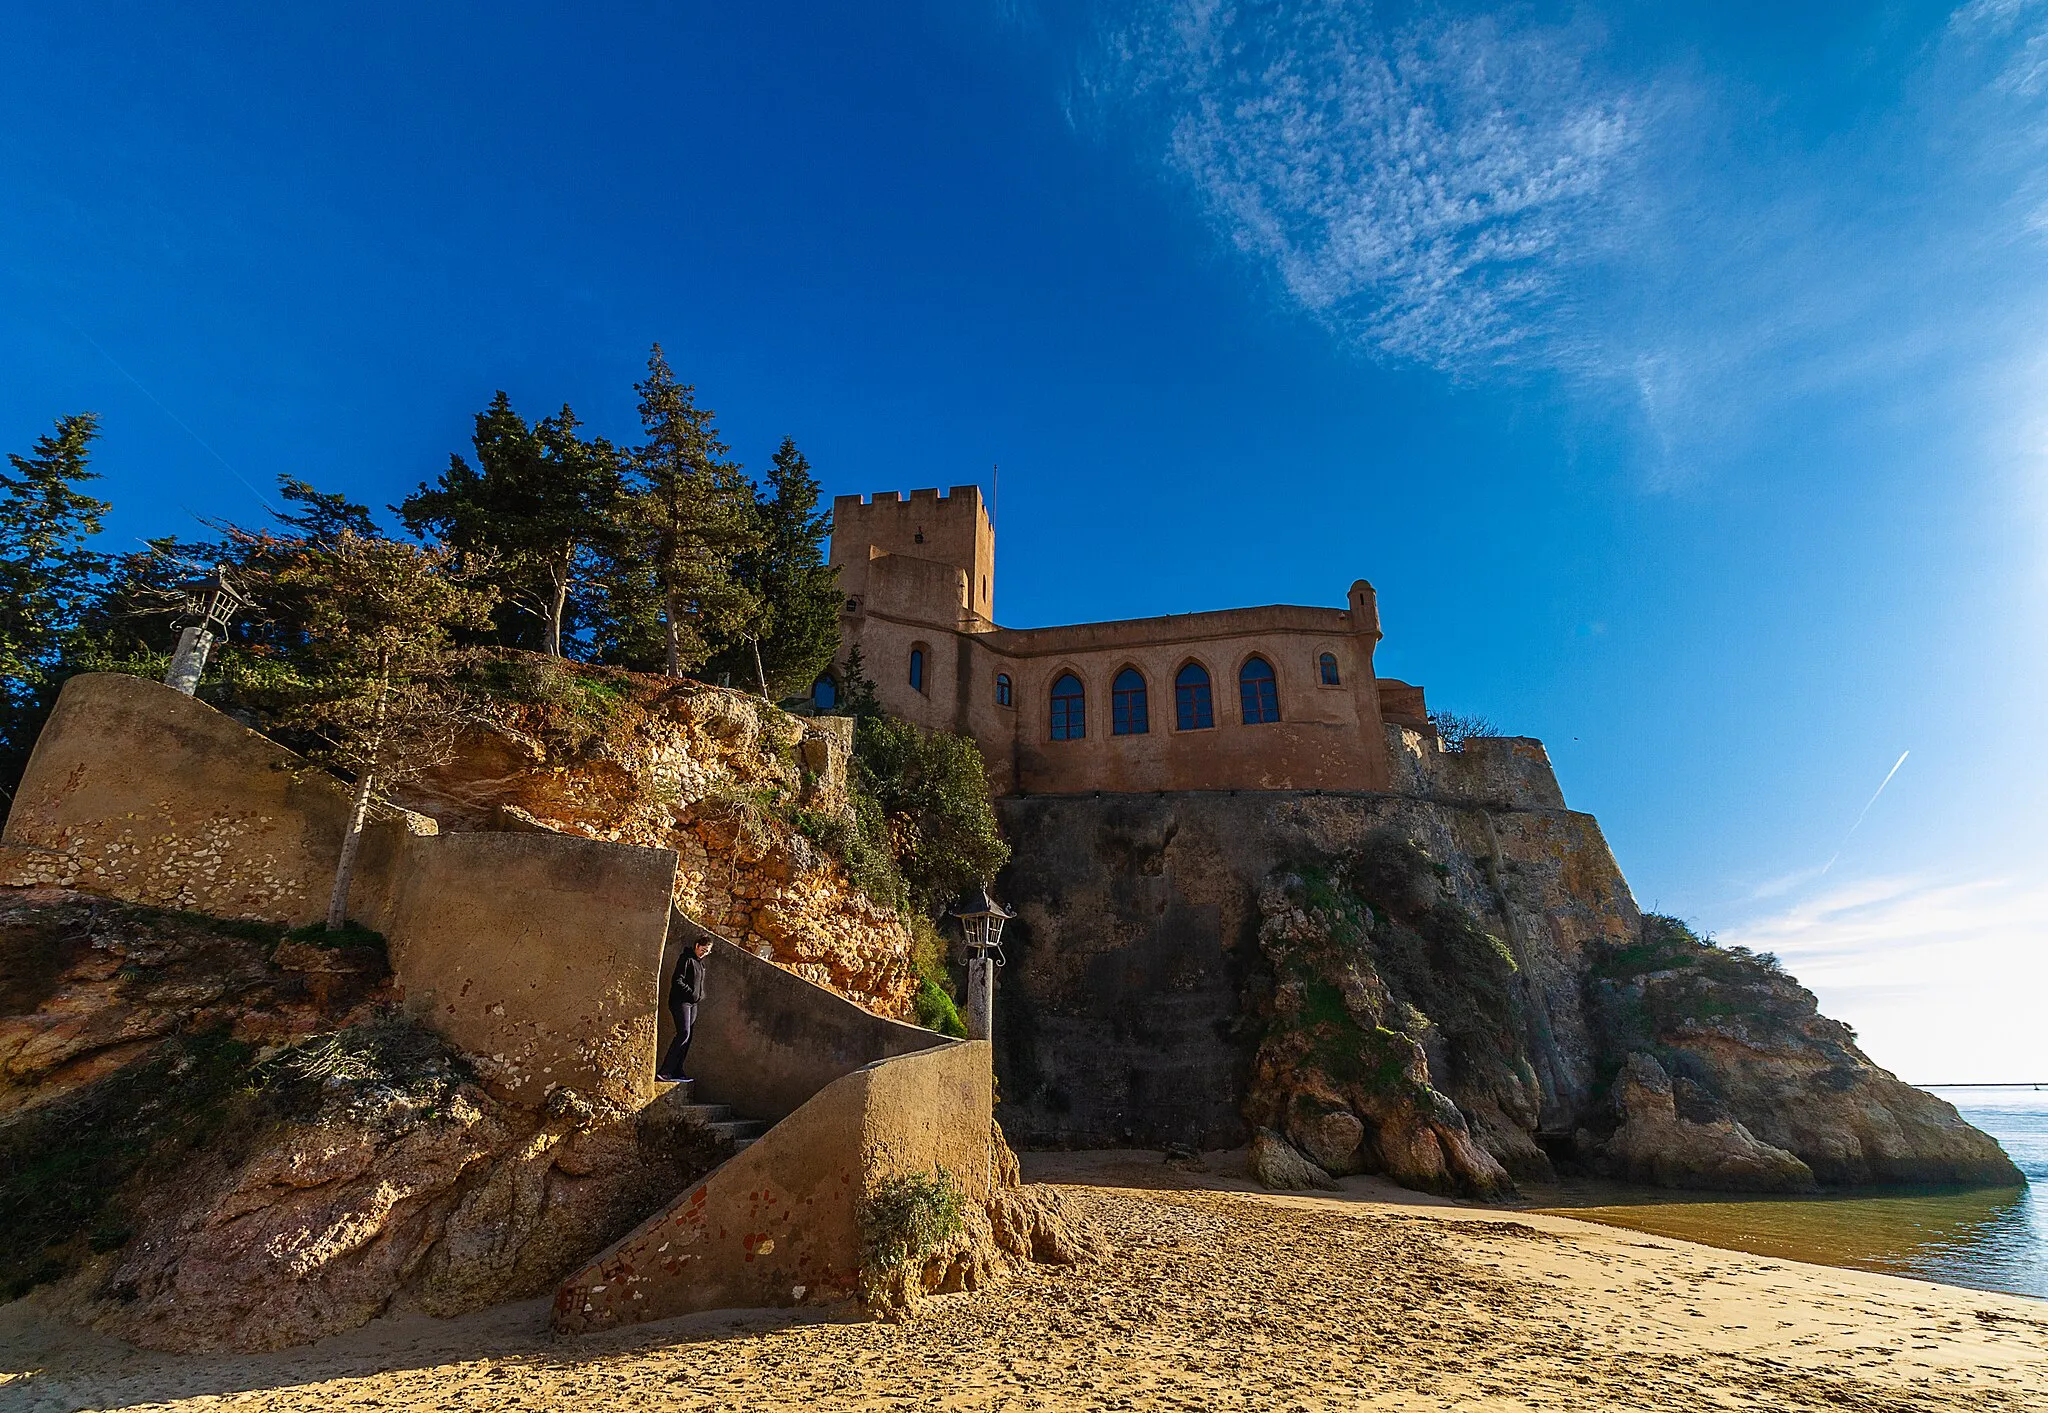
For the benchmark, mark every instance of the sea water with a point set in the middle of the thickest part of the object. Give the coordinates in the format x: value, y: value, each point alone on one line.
x: 1992, y: 1240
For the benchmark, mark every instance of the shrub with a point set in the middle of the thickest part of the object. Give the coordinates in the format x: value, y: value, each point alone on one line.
x: 1455, y: 730
x: 904, y: 1221
x: 931, y: 787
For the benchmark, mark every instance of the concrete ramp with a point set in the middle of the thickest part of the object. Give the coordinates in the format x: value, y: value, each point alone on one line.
x: 776, y: 1225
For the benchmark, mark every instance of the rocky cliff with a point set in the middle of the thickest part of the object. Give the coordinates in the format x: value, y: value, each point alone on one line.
x: 1451, y: 984
x: 219, y: 1136
x: 727, y: 780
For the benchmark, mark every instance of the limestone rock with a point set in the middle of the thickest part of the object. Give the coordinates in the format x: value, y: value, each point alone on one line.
x: 1747, y: 1042
x: 1278, y: 1164
x: 1702, y: 1147
x: 715, y: 775
x: 348, y: 1166
x: 1330, y: 1139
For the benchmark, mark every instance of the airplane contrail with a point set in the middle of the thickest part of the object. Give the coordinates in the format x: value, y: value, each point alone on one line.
x: 1866, y: 810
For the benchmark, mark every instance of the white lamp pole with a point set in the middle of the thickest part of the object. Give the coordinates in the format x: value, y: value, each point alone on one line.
x: 981, y: 920
x: 209, y: 604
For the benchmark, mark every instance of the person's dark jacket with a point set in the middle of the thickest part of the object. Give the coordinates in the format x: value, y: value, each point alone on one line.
x: 688, y: 987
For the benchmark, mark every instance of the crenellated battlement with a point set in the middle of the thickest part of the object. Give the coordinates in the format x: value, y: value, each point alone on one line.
x: 953, y: 529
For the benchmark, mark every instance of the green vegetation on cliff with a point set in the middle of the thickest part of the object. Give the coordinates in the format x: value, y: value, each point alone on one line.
x: 1378, y: 978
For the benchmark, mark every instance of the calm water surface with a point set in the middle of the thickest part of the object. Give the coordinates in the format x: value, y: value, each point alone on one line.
x: 1995, y: 1240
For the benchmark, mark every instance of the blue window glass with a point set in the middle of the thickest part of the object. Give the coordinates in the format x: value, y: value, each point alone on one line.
x: 1069, y: 709
x: 917, y: 669
x: 1002, y: 689
x: 1259, y: 692
x: 1191, y: 706
x: 1127, y: 714
x: 824, y: 694
x: 1328, y: 664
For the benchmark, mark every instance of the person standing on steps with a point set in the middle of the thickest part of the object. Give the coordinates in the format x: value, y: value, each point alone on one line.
x: 684, y: 992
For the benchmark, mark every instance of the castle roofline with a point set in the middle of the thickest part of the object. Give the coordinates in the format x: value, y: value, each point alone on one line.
x: 1169, y: 628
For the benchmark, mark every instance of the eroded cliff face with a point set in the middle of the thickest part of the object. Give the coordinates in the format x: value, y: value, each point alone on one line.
x: 719, y: 776
x: 1446, y: 986
x: 216, y: 1137
x: 1733, y: 1039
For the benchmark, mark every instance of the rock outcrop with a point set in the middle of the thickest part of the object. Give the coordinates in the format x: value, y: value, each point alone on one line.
x: 1445, y: 985
x: 722, y: 777
x: 1744, y: 1042
x: 1279, y: 1165
x: 1021, y: 1223
x: 1679, y: 1135
x: 219, y: 1137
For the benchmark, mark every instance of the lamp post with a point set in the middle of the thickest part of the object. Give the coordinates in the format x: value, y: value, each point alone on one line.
x: 209, y: 605
x: 981, y: 919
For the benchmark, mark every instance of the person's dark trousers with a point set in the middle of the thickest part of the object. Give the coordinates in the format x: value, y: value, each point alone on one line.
x: 684, y: 1014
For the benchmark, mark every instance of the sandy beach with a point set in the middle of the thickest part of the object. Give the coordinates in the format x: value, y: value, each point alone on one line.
x: 1220, y: 1297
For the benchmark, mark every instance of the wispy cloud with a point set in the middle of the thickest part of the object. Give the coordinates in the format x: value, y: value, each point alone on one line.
x: 1941, y: 975
x: 1423, y: 189
x: 1494, y: 194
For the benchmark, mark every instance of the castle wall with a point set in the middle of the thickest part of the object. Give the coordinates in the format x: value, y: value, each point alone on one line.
x: 536, y: 953
x: 1118, y: 1017
x: 1329, y: 737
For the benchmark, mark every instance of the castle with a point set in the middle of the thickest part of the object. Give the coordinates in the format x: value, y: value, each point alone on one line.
x: 1275, y: 698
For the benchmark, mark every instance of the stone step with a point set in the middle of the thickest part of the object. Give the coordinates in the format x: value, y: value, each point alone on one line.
x: 739, y: 1129
x: 674, y: 1090
x: 703, y: 1115
x: 741, y: 1145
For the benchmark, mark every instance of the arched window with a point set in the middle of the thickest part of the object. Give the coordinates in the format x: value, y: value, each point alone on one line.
x: 1069, y: 709
x: 1259, y: 692
x: 1192, y: 709
x: 824, y: 694
x: 1127, y: 714
x: 1328, y: 664
x: 917, y: 669
x: 1003, y: 689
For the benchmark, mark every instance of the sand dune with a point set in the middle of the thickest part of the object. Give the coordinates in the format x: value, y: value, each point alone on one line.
x: 1219, y: 1298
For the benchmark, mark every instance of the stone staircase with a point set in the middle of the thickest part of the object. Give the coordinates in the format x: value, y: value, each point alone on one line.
x: 719, y: 1120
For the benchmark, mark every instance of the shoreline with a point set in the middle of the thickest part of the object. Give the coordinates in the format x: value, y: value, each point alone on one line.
x: 1220, y: 1294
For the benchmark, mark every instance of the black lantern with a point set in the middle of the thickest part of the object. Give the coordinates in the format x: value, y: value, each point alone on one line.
x: 981, y: 919
x: 211, y: 602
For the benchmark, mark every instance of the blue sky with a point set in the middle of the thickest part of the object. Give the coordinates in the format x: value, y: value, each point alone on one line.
x: 1676, y: 373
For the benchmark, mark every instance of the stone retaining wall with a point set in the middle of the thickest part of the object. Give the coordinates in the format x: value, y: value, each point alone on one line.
x: 778, y: 1224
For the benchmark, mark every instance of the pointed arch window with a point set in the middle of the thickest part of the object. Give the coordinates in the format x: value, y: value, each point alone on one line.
x: 1327, y: 666
x: 824, y: 694
x: 917, y: 669
x: 1259, y: 692
x: 1069, y: 709
x: 1004, y: 696
x: 1193, y: 709
x: 1127, y: 709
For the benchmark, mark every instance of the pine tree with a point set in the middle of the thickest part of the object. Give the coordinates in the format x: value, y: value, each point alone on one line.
x: 798, y: 633
x: 49, y: 576
x: 322, y: 516
x: 540, y: 503
x: 689, y: 520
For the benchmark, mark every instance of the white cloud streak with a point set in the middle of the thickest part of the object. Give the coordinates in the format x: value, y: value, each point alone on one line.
x: 1941, y: 975
x: 1492, y: 194
x: 1424, y: 190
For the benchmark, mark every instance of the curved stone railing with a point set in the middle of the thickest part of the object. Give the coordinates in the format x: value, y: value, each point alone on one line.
x: 778, y: 1224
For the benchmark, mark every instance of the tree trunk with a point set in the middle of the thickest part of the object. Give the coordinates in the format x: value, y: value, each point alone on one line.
x: 760, y: 672
x: 352, y: 842
x: 675, y: 642
x: 558, y: 606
